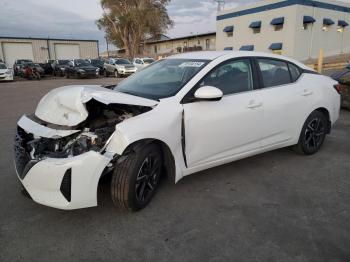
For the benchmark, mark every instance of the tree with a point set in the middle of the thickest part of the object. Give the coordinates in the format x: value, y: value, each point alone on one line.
x: 128, y: 23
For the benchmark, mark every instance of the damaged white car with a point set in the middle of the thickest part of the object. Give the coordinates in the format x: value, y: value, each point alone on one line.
x: 180, y: 115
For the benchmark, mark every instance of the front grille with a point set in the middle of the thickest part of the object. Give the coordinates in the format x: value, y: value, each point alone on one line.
x: 66, y: 185
x: 22, y: 157
x: 129, y: 67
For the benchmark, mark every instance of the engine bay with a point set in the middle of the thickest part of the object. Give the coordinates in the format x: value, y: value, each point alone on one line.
x: 93, y: 135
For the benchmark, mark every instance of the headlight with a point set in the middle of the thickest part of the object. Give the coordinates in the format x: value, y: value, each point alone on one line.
x: 8, y: 71
x: 62, y: 68
x: 81, y: 71
x: 97, y: 70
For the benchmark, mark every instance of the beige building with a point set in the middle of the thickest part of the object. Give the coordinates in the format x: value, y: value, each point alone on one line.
x: 40, y: 49
x: 295, y: 28
x: 168, y: 46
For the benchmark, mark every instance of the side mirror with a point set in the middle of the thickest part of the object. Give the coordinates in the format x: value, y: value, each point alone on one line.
x: 208, y: 93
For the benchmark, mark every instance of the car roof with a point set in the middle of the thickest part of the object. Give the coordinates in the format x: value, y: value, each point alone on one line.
x: 212, y: 55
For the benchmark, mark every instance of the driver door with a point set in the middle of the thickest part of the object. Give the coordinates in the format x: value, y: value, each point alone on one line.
x: 220, y: 131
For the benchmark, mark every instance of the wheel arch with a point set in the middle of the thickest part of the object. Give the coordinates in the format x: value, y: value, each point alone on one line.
x: 168, y: 157
x: 326, y: 113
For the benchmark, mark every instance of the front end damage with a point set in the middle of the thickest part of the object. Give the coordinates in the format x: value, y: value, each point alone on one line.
x: 60, y: 165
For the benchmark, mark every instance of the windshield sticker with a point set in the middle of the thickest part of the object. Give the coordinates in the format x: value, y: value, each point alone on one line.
x: 191, y: 64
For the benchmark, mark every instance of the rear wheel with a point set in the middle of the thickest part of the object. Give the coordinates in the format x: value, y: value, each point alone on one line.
x: 313, y: 134
x: 136, y: 178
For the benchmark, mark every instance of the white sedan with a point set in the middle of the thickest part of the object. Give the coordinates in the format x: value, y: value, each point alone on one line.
x: 180, y: 115
x: 6, y: 74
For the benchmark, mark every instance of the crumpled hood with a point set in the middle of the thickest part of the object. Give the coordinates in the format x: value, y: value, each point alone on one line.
x: 66, y: 105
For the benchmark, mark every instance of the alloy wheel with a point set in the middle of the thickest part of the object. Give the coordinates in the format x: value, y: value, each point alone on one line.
x: 314, y: 133
x: 147, y: 178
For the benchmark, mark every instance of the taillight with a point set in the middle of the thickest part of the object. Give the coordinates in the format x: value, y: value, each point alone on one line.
x: 339, y: 88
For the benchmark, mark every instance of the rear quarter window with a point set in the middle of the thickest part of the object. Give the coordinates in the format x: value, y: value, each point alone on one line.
x: 274, y: 72
x: 295, y: 72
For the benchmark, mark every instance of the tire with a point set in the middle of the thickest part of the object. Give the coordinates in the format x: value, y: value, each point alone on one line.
x: 116, y: 74
x: 312, y: 134
x: 133, y: 185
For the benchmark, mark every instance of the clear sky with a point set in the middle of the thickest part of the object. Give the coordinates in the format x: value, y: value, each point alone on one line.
x: 76, y: 18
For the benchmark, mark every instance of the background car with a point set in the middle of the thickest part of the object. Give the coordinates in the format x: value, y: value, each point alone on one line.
x: 38, y: 68
x: 142, y: 62
x: 119, y: 67
x: 80, y: 68
x: 31, y: 70
x: 18, y: 64
x: 343, y: 77
x: 59, y: 67
x: 99, y: 63
x: 6, y: 74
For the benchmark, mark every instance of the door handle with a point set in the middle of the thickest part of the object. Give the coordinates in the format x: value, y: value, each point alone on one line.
x: 307, y: 93
x: 253, y: 105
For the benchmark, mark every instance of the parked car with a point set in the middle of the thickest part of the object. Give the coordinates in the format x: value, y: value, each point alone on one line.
x: 80, y: 68
x: 18, y: 65
x: 119, y: 67
x: 35, y: 66
x: 142, y: 62
x: 6, y: 74
x: 343, y: 77
x: 47, y: 67
x: 59, y: 67
x: 99, y: 63
x: 31, y: 70
x: 181, y: 115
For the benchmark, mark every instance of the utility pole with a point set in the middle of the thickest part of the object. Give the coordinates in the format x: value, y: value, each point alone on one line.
x: 107, y: 47
x: 221, y: 4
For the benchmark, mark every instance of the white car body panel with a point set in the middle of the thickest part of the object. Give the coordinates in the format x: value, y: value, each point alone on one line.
x: 6, y: 74
x: 237, y: 126
x: 65, y: 105
x: 42, y: 131
x: 44, y: 179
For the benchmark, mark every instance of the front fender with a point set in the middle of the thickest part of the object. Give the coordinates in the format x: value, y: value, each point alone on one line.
x: 152, y: 125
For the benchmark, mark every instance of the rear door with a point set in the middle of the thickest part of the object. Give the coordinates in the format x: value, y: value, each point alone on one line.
x: 285, y: 101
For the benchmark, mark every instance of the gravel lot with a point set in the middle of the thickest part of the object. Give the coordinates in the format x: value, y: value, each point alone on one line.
x: 277, y: 206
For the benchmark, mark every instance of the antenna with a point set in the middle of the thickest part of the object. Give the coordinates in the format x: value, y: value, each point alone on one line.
x: 221, y: 4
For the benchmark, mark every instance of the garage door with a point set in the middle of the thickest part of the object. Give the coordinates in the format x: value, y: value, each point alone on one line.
x: 66, y: 51
x: 13, y: 51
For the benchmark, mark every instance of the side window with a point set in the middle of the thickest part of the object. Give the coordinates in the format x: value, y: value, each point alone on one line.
x: 274, y: 72
x: 231, y: 77
x: 294, y: 72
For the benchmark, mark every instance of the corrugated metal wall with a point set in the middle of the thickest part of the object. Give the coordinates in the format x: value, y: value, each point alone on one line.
x: 42, y: 47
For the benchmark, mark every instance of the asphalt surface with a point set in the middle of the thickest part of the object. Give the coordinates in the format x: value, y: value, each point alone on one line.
x: 278, y: 206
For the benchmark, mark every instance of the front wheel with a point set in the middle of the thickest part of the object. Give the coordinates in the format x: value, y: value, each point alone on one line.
x: 117, y: 75
x: 136, y: 178
x: 313, y: 134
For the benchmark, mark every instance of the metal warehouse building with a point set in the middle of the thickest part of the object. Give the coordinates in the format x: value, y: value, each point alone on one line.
x: 41, y: 49
x: 295, y: 28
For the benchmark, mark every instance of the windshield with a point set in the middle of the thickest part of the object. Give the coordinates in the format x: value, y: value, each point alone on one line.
x: 63, y: 62
x: 148, y: 61
x: 97, y: 62
x: 3, y: 66
x: 162, y: 79
x: 122, y: 62
x: 81, y: 62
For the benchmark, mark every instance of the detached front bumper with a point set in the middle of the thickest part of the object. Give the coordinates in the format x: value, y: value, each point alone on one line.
x: 64, y: 183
